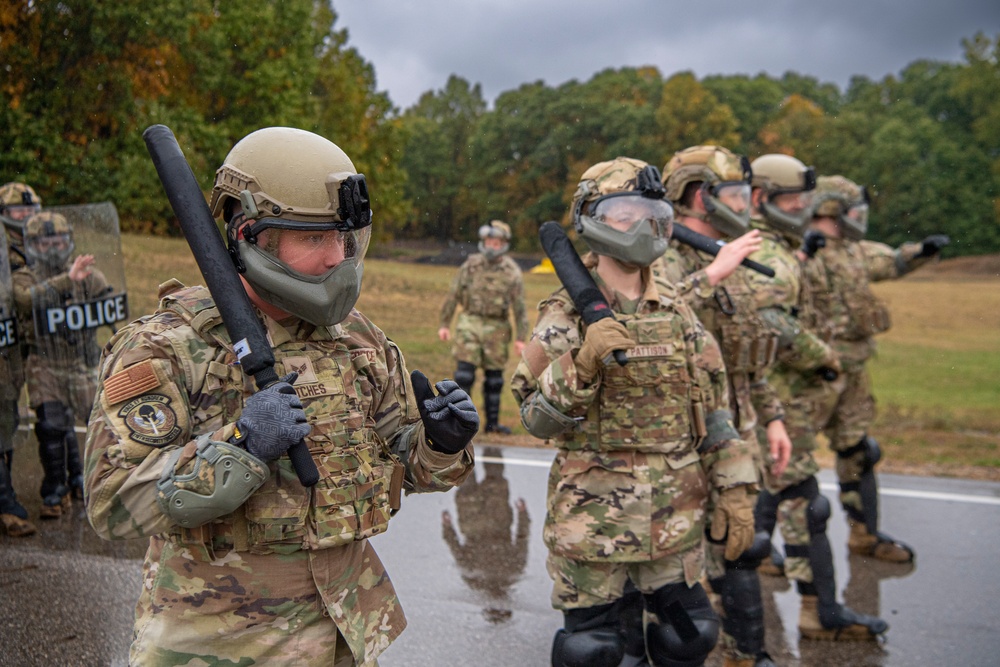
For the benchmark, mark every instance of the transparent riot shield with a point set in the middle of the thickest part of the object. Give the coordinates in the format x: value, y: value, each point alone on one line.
x: 11, y: 367
x: 74, y: 312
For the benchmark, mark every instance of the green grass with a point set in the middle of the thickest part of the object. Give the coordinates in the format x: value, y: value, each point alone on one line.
x: 936, y: 375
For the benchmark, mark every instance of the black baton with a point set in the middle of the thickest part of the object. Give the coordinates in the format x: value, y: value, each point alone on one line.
x: 216, y: 266
x: 575, y: 278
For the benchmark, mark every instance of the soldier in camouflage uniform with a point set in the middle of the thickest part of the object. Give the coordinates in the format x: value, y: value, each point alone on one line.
x: 488, y: 287
x: 806, y: 368
x: 841, y: 281
x: 641, y: 446
x: 61, y: 365
x: 709, y: 187
x: 18, y: 202
x: 246, y: 565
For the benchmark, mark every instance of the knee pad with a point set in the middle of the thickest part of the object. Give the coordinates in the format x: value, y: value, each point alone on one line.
x: 493, y: 382
x: 869, y: 450
x: 465, y: 375
x: 817, y: 514
x: 687, y: 628
x: 744, y: 610
x: 53, y: 421
x: 591, y: 638
x: 759, y: 549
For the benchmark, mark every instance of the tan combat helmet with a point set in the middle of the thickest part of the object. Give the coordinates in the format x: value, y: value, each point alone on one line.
x: 283, y: 178
x: 18, y: 202
x: 843, y: 200
x: 778, y: 175
x: 494, y: 229
x: 723, y: 178
x: 48, y: 239
x: 619, y: 210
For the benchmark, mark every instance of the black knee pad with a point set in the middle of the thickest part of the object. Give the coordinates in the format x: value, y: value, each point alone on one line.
x: 759, y: 549
x: 465, y: 375
x: 53, y: 421
x: 744, y: 610
x: 817, y: 514
x: 591, y: 638
x: 493, y: 381
x: 687, y: 628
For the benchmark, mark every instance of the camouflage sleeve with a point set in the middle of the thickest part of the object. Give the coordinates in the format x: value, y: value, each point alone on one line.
x: 152, y: 367
x: 397, y: 421
x: 458, y: 285
x: 766, y: 400
x: 687, y: 279
x: 518, y: 308
x: 24, y: 280
x: 547, y: 364
x: 884, y: 263
x: 798, y: 348
x: 727, y: 459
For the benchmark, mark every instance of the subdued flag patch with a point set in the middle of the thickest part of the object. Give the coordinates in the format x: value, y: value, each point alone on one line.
x: 130, y: 382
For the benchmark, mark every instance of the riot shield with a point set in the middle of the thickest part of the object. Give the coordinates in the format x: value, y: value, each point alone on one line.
x: 11, y: 363
x: 72, y: 319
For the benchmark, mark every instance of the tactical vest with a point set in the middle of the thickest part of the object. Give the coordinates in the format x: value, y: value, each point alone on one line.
x: 360, y: 480
x: 863, y: 314
x: 749, y: 344
x: 651, y: 404
x: 488, y: 292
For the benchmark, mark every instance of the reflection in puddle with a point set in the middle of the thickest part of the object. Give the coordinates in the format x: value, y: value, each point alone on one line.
x: 489, y: 544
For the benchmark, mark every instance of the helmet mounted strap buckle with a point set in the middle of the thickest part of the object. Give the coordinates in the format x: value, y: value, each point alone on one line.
x: 353, y: 203
x: 649, y: 183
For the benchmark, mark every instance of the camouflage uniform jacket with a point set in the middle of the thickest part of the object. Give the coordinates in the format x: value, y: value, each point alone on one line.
x: 488, y: 289
x: 367, y: 441
x: 653, y: 438
x: 841, y: 284
x: 729, y: 312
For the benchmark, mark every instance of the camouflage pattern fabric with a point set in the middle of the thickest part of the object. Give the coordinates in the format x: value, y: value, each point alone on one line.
x: 628, y: 485
x: 804, y: 395
x: 60, y: 367
x: 842, y: 281
x: 487, y: 292
x: 171, y: 377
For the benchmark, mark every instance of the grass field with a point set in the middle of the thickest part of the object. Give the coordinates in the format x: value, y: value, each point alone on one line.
x: 936, y: 375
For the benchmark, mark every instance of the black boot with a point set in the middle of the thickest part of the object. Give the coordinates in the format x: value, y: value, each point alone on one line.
x: 74, y: 469
x: 491, y: 394
x: 51, y: 434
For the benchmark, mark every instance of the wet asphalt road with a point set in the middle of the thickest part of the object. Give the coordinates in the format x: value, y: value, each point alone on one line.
x: 469, y: 567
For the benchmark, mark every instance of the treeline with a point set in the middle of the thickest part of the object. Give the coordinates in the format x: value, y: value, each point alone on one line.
x: 81, y: 80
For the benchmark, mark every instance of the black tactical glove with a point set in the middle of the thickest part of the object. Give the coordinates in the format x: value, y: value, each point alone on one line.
x: 933, y: 244
x: 812, y: 242
x: 450, y: 419
x: 828, y: 374
x: 272, y: 420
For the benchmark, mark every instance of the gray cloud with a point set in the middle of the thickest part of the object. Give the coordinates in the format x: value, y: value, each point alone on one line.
x: 502, y: 44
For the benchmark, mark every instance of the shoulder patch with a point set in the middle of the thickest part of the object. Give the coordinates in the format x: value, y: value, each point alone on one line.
x: 150, y: 420
x: 130, y: 382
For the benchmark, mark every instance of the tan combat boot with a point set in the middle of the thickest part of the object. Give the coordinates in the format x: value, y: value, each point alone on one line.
x: 57, y: 510
x: 16, y: 526
x: 878, y: 546
x: 811, y: 628
x: 738, y: 662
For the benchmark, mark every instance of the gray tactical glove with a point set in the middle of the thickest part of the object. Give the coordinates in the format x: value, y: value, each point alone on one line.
x: 812, y: 242
x: 450, y: 419
x: 272, y: 421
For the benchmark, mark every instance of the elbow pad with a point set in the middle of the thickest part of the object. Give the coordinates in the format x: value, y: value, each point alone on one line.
x: 786, y: 325
x: 719, y: 427
x: 224, y: 476
x: 542, y: 420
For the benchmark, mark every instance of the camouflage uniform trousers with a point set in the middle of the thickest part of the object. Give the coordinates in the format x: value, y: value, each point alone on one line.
x: 803, y: 413
x: 482, y: 341
x: 851, y: 419
x: 271, y: 612
x: 579, y: 584
x: 11, y: 382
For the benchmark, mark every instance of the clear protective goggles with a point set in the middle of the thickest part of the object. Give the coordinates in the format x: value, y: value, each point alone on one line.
x: 305, y: 241
x: 20, y: 212
x: 858, y: 215
x: 46, y: 243
x: 628, y: 211
x: 734, y: 194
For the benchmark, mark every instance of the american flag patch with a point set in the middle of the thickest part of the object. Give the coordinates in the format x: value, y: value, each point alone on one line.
x: 130, y: 382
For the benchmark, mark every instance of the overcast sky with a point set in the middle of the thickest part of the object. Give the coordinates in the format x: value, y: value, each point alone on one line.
x: 500, y: 44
